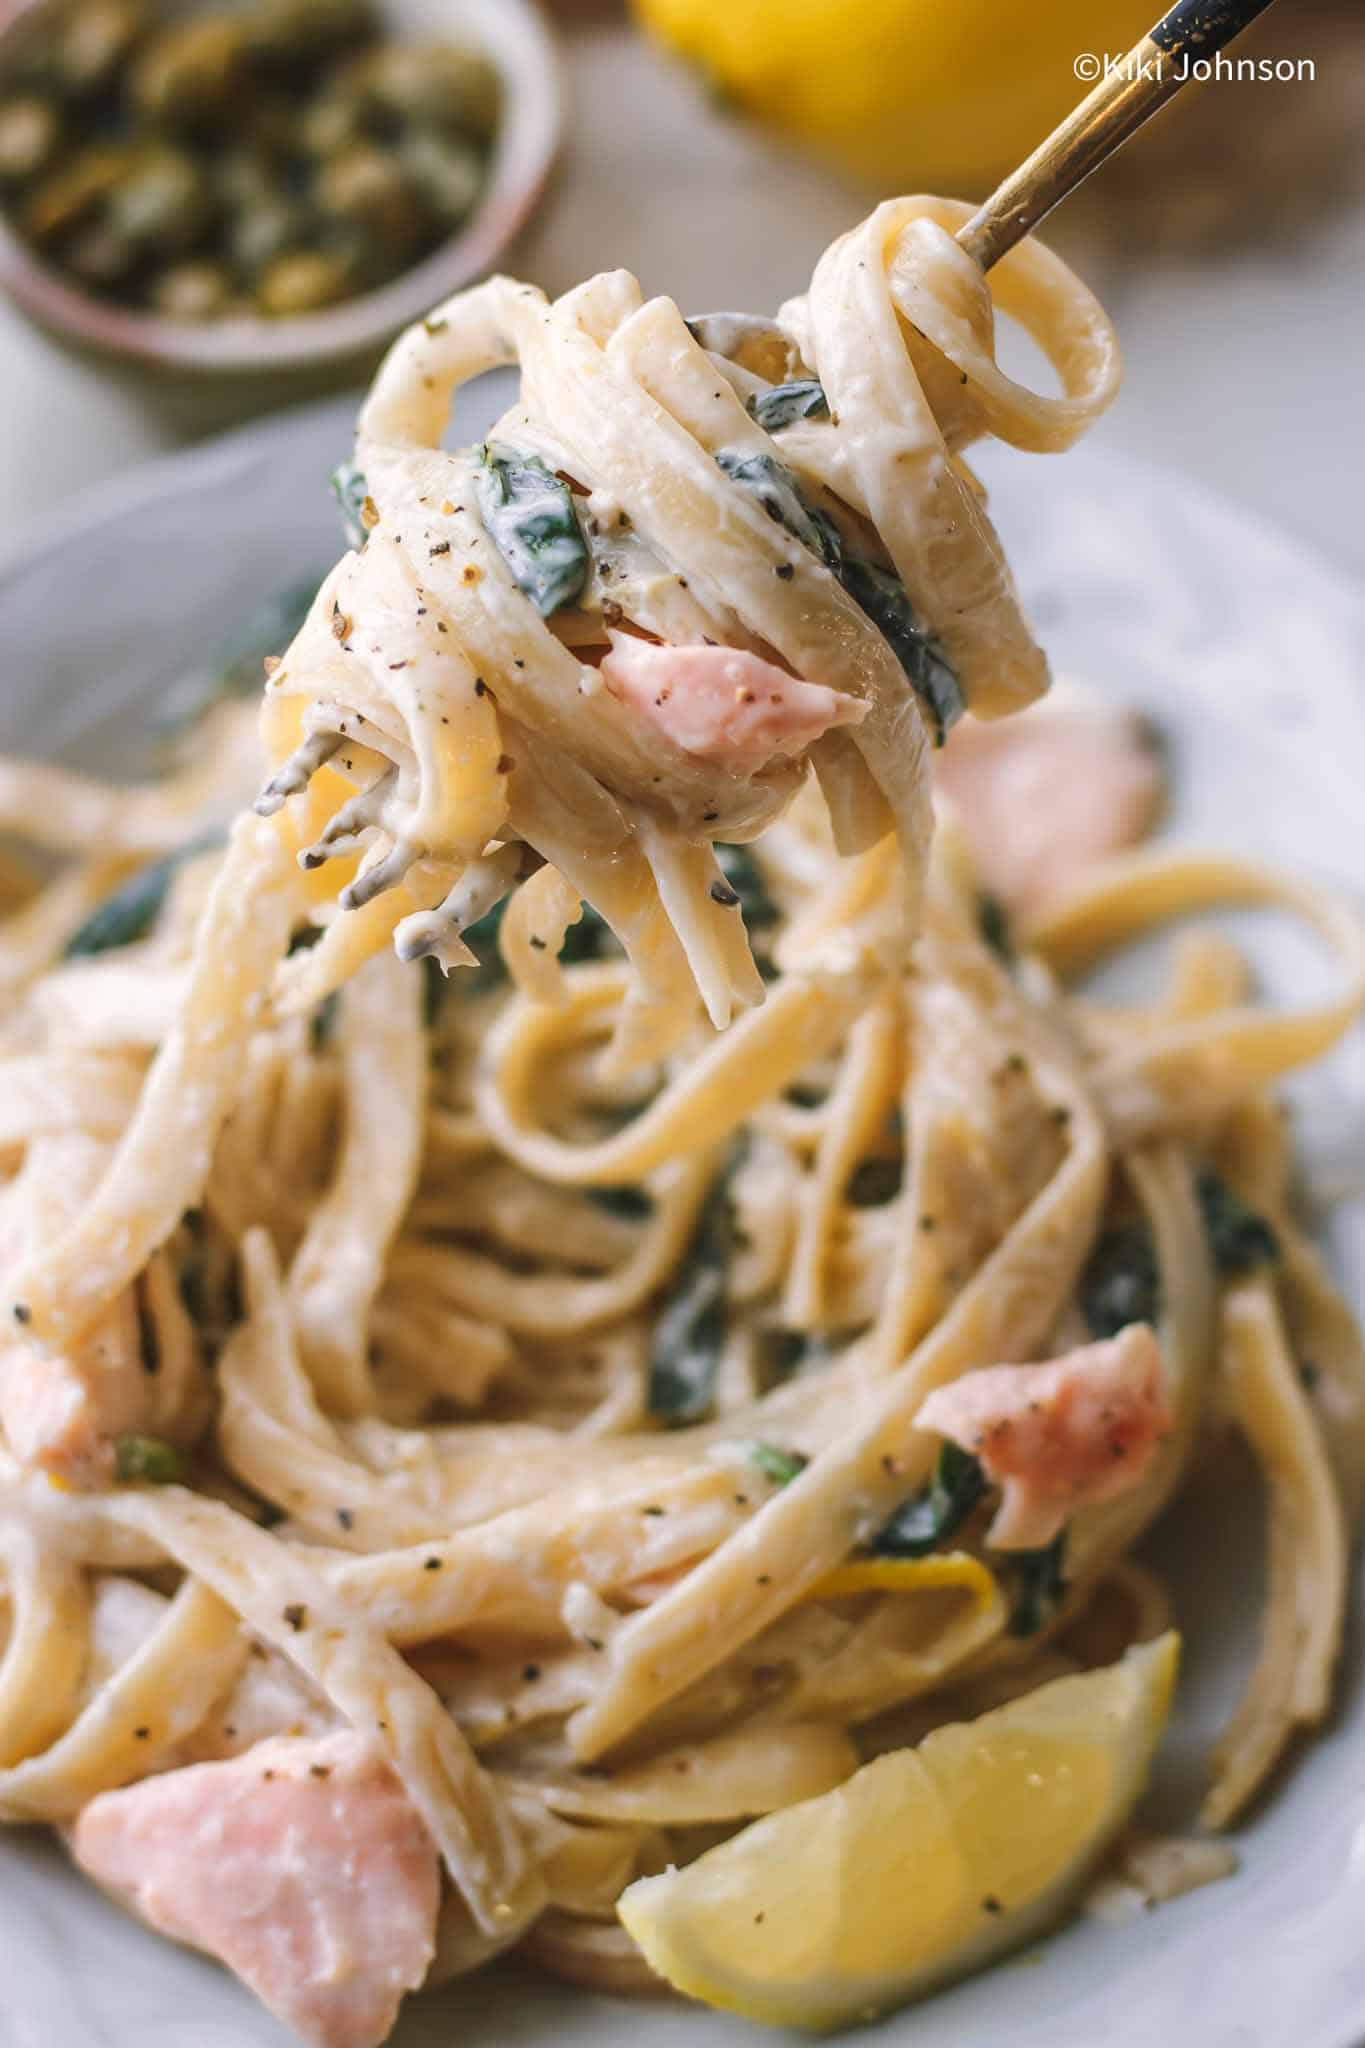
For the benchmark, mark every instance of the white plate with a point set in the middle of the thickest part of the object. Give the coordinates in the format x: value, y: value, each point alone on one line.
x: 1248, y: 652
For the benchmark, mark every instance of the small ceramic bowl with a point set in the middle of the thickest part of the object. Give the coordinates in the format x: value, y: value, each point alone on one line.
x: 516, y: 37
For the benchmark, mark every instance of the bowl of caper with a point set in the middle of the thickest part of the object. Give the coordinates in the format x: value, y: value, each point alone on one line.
x: 260, y: 184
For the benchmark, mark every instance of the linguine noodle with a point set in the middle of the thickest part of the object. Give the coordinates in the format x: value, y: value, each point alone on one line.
x: 508, y: 1345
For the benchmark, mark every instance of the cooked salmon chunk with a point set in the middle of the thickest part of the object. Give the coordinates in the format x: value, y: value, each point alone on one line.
x: 1059, y: 1436
x: 728, y: 706
x: 1044, y: 795
x: 301, y: 1864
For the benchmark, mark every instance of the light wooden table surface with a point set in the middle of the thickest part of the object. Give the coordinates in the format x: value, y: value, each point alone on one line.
x: 1230, y: 247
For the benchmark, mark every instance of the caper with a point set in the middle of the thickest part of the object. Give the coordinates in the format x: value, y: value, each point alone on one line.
x: 162, y: 204
x: 269, y: 124
x: 28, y: 50
x: 100, y: 256
x: 304, y: 281
x: 263, y: 229
x: 190, y: 76
x: 94, y: 38
x: 70, y: 195
x: 367, y: 186
x: 305, y: 33
x: 29, y: 132
x: 439, y: 85
x: 244, y: 177
x: 448, y: 173
x: 331, y: 123
x: 191, y: 291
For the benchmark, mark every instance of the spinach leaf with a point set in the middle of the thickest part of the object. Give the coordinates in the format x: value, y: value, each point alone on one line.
x: 482, y: 938
x: 192, y: 1277
x: 878, y: 592
x: 133, y: 909
x: 323, y: 1022
x: 1239, y: 1237
x: 530, y: 517
x: 147, y: 1458
x: 776, y: 1464
x: 350, y: 491
x: 784, y: 404
x: 691, y: 1330
x: 778, y: 492
x: 993, y: 923
x: 591, y: 938
x: 784, y: 1353
x: 634, y: 1205
x: 1038, y: 1586
x: 435, y: 989
x: 745, y: 877
x: 882, y: 596
x: 874, y: 1182
x: 931, y: 1516
x: 1119, y: 1283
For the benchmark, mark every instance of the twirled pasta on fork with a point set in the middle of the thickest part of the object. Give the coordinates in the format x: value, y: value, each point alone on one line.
x: 690, y: 561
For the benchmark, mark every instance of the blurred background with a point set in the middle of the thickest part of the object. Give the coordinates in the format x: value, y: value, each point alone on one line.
x: 713, y: 146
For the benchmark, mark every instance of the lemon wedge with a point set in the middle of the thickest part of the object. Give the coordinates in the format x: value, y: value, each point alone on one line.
x: 927, y: 1863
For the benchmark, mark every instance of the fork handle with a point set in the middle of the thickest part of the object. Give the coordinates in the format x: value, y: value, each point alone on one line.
x: 1129, y: 93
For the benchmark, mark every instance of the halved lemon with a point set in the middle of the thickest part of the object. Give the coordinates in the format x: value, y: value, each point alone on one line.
x: 924, y: 1865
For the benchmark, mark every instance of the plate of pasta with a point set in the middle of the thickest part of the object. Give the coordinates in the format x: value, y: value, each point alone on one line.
x: 678, y: 1252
